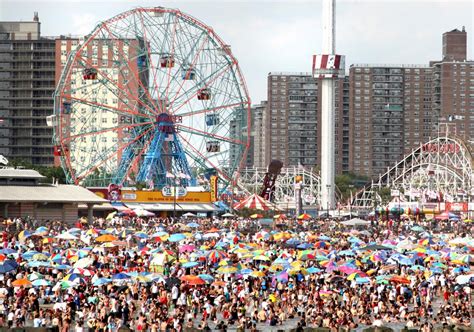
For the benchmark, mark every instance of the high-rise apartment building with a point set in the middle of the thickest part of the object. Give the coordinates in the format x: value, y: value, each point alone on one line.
x: 455, y: 45
x: 291, y: 122
x: 395, y: 108
x: 342, y: 124
x: 258, y: 134
x: 292, y: 118
x: 238, y: 131
x: 453, y: 86
x: 99, y: 102
x: 27, y: 65
x: 390, y: 114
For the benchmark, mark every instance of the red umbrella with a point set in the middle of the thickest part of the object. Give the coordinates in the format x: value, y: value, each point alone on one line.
x: 255, y: 202
x: 128, y: 212
x: 192, y: 280
x: 400, y: 279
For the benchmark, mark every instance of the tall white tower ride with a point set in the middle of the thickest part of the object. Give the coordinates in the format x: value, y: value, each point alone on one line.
x: 327, y: 67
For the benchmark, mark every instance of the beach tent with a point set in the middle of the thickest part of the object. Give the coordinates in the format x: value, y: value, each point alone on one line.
x: 255, y: 202
x: 356, y: 222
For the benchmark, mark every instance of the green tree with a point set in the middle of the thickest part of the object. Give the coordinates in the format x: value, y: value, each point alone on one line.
x: 350, y: 182
x: 50, y: 173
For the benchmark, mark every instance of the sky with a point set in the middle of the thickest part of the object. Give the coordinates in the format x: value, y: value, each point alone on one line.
x: 281, y: 36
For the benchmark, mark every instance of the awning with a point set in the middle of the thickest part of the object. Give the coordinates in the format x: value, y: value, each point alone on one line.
x: 119, y: 206
x: 185, y: 207
x: 97, y: 207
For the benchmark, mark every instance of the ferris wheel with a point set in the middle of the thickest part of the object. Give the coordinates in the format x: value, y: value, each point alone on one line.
x: 151, y: 95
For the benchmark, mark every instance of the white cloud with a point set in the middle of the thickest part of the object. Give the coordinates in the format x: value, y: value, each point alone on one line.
x: 282, y: 35
x: 83, y: 23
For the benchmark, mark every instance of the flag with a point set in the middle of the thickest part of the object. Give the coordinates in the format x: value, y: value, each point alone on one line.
x: 151, y: 185
x: 448, y: 198
x: 170, y: 175
x: 169, y: 138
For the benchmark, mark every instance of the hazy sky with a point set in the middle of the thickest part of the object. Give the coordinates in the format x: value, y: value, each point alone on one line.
x: 282, y: 35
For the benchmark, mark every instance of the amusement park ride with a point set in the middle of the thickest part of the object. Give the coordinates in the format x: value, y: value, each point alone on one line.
x: 154, y: 96
x: 150, y: 96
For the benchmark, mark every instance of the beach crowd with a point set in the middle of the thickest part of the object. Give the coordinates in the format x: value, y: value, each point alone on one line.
x: 160, y: 274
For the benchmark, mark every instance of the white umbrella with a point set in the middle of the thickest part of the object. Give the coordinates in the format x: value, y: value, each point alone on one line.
x: 228, y: 215
x: 356, y: 222
x: 83, y: 263
x: 464, y: 279
x: 66, y: 236
x: 209, y: 235
x: 140, y: 212
x: 189, y: 214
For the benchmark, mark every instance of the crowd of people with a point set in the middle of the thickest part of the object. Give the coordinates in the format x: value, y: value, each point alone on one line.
x: 159, y: 274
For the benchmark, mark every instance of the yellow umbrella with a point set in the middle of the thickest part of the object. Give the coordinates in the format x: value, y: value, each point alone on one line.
x: 257, y: 274
x: 282, y: 236
x: 227, y: 269
x: 92, y: 231
x: 111, y: 215
x: 40, y: 257
x: 261, y: 258
x: 241, y: 251
x: 275, y: 268
x: 224, y: 262
x: 296, y: 264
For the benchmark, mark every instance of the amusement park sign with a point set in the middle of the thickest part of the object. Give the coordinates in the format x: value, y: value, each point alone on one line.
x: 441, y: 147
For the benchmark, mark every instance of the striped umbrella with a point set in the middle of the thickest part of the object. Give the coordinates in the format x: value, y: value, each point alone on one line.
x: 255, y: 202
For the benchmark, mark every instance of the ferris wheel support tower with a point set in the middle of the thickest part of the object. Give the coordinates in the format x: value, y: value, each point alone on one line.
x: 327, y: 67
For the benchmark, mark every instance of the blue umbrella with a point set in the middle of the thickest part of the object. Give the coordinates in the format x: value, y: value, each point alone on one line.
x: 304, y: 246
x: 417, y: 229
x: 362, y: 280
x: 281, y: 261
x: 313, y: 269
x: 189, y: 264
x: 176, y: 237
x: 324, y: 238
x: 120, y: 276
x: 246, y: 271
x: 402, y: 259
x: 222, y: 244
x: 41, y: 282
x: 282, y: 277
x: 7, y: 266
x: 417, y: 267
x: 206, y: 277
x: 193, y: 224
x: 62, y: 267
x: 436, y: 270
x: 461, y: 269
x: 346, y: 253
x: 39, y: 264
x: 8, y: 251
x: 293, y: 242
x: 354, y: 239
x: 41, y: 230
x: 29, y: 254
x: 102, y: 281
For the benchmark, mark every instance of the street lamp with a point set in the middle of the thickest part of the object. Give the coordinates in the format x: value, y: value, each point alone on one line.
x: 328, y: 187
x: 298, y: 190
x: 351, y: 186
x: 174, y: 198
